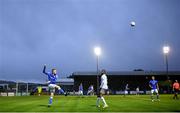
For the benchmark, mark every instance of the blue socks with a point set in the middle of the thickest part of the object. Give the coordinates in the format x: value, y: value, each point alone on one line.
x: 61, y: 91
x: 50, y: 100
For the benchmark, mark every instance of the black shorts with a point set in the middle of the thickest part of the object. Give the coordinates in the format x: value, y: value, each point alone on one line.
x: 176, y: 90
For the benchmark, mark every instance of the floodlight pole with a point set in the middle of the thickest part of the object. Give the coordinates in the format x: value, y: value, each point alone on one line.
x: 16, y: 88
x: 27, y: 87
x: 97, y: 59
x: 167, y: 67
x: 97, y: 51
x: 166, y: 50
x: 7, y: 87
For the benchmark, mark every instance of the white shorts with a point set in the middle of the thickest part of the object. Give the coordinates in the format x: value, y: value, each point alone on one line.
x: 103, y: 91
x: 80, y: 92
x: 52, y: 87
x: 154, y: 90
x: 126, y: 92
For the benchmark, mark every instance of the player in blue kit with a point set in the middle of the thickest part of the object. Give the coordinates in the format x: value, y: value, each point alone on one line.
x: 90, y: 90
x: 52, y: 78
x: 81, y: 89
x: 153, y: 84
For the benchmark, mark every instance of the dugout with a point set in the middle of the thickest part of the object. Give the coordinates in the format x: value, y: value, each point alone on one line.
x: 118, y: 79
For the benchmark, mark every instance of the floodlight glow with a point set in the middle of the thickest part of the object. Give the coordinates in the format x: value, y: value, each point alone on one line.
x: 166, y: 49
x: 97, y: 51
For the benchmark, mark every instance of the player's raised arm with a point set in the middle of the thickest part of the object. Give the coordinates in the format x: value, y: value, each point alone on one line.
x: 56, y: 77
x: 44, y: 70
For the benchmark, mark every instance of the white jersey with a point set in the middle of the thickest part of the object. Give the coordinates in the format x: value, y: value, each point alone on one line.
x: 104, y: 82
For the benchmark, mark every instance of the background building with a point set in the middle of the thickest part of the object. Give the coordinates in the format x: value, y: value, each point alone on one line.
x: 118, y: 79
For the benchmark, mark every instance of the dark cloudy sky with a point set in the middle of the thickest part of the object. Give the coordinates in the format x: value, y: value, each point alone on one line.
x: 63, y: 33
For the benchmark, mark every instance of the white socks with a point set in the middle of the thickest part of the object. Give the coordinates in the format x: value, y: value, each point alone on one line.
x: 101, y: 98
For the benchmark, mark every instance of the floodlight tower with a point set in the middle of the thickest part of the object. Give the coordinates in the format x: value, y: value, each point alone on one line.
x: 97, y: 51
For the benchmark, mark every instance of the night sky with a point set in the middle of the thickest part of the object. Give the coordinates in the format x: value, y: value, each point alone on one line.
x: 63, y: 34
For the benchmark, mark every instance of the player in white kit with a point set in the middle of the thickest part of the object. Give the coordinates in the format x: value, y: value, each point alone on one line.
x: 103, y: 89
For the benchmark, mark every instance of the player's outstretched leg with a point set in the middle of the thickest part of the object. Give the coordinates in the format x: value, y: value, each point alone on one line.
x: 61, y: 91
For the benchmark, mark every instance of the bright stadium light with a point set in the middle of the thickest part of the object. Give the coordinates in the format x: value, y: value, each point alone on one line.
x: 97, y: 51
x: 166, y: 49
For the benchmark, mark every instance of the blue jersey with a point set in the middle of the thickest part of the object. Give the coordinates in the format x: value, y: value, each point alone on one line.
x: 153, y: 84
x: 51, y: 77
x: 81, y: 87
x: 90, y: 88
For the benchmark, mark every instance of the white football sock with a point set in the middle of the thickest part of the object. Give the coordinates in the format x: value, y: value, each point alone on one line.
x: 103, y: 100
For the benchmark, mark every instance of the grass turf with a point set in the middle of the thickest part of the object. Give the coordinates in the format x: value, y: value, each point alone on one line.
x: 117, y: 103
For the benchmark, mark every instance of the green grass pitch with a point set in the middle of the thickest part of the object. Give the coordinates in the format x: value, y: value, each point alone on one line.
x: 117, y: 103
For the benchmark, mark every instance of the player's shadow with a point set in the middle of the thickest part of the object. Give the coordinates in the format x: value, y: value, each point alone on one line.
x: 43, y: 105
x: 93, y: 105
x: 176, y: 111
x: 46, y: 106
